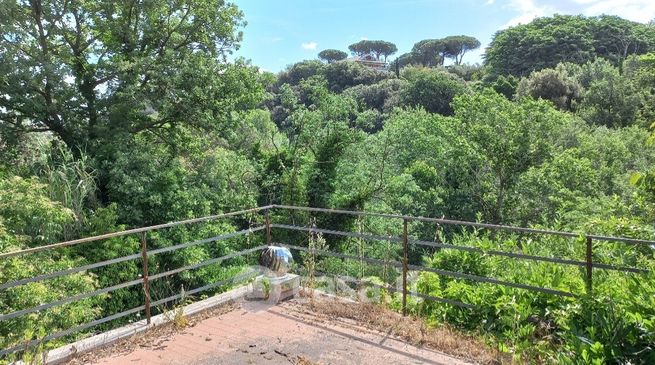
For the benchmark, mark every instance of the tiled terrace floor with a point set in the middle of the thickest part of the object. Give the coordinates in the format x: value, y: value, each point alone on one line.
x: 257, y: 333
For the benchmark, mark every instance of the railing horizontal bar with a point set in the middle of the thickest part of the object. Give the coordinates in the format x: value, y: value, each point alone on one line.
x: 485, y: 279
x: 337, y: 211
x: 461, y: 248
x: 123, y: 285
x: 429, y: 297
x: 443, y: 272
x: 620, y: 268
x: 206, y: 240
x: 338, y: 233
x: 349, y: 257
x: 442, y: 300
x: 528, y: 257
x: 239, y: 277
x: 125, y: 313
x: 132, y: 231
x: 470, y: 224
x: 11, y: 284
x: 74, y: 298
x: 15, y: 283
x: 446, y: 246
x: 69, y: 331
x: 206, y: 262
x: 396, y: 290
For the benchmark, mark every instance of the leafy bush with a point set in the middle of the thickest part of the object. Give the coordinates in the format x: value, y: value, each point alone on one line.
x: 28, y: 218
x: 553, y: 85
x: 432, y: 89
x: 610, y: 326
x: 345, y: 74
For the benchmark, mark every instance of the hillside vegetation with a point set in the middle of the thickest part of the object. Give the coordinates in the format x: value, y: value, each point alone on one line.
x: 115, y: 116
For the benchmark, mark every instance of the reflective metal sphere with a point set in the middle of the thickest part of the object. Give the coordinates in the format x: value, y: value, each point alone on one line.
x: 277, y: 259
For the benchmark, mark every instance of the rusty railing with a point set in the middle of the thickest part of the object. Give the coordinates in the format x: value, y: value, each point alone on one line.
x: 268, y: 227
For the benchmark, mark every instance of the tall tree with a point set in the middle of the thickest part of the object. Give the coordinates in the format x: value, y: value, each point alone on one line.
x: 542, y: 43
x: 641, y: 70
x: 429, y: 52
x: 377, y: 48
x: 456, y: 46
x: 507, y: 138
x: 545, y: 42
x: 616, y: 38
x: 609, y: 98
x: 383, y: 49
x: 332, y: 55
x: 405, y: 59
x: 87, y: 70
x: 361, y: 48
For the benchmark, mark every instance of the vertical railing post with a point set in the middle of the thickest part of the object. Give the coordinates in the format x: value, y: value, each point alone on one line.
x: 146, y: 282
x: 268, y: 229
x: 405, y: 255
x: 589, y: 265
x: 360, y: 247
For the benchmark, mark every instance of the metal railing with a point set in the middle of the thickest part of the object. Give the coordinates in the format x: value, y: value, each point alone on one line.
x: 404, y: 265
x: 144, y: 280
x: 588, y: 264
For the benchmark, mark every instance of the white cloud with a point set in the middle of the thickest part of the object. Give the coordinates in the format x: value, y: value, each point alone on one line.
x: 490, y: 2
x: 635, y: 10
x: 310, y: 46
x: 527, y: 10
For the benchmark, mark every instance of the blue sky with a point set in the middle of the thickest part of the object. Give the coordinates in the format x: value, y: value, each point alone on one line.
x: 282, y: 32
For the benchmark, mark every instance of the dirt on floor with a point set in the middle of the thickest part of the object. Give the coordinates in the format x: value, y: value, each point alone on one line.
x: 411, y: 329
x: 306, y: 330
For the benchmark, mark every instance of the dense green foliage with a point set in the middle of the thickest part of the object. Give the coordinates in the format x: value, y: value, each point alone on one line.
x: 596, y: 91
x: 116, y: 116
x: 545, y: 42
x: 434, y: 90
x: 103, y: 69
